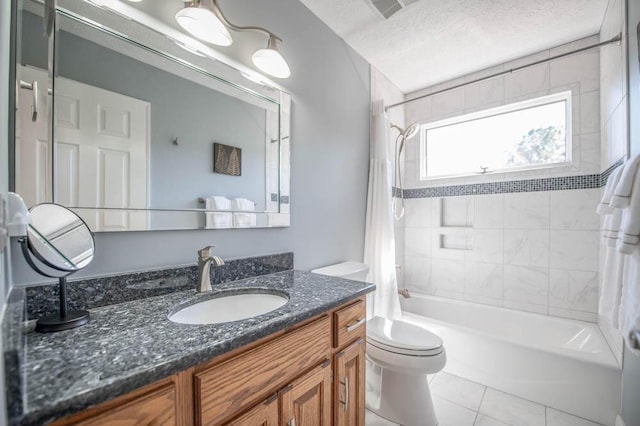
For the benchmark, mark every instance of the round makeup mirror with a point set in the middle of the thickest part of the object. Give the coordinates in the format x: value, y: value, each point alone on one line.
x: 60, y: 240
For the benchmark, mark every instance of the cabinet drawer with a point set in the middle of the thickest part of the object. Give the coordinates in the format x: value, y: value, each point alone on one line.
x: 349, y: 323
x: 154, y: 408
x: 225, y: 389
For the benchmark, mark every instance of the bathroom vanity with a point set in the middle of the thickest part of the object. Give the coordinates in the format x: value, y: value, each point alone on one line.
x: 314, y: 371
x: 303, y: 363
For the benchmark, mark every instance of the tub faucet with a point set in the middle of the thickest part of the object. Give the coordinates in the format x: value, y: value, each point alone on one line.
x: 404, y: 293
x: 204, y: 266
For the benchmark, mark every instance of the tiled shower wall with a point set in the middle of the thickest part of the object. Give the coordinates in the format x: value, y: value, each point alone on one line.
x: 533, y: 251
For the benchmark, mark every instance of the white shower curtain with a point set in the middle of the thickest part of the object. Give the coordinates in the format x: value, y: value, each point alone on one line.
x: 379, y: 241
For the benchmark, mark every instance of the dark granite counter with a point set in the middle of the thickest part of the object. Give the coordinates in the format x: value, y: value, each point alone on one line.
x: 129, y: 345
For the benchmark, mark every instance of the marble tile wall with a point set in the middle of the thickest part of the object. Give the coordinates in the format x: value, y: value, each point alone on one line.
x: 535, y: 251
x: 613, y: 81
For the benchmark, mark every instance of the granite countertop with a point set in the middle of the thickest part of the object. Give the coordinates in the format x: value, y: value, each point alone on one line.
x: 129, y: 345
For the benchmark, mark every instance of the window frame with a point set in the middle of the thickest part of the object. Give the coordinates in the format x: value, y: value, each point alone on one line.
x: 565, y: 96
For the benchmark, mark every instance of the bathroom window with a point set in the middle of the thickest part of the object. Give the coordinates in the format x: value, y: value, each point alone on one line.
x: 524, y: 135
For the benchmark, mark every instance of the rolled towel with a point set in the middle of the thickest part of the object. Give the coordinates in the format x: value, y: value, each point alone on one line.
x: 622, y: 193
x: 216, y: 202
x: 604, y: 206
x: 242, y: 204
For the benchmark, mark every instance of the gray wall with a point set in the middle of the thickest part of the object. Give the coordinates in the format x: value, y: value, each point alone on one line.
x: 330, y: 158
x: 631, y: 365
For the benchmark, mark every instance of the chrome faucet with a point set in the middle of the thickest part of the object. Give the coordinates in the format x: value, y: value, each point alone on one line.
x: 204, y: 266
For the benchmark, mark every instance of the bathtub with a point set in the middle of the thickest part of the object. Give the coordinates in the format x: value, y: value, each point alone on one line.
x: 561, y: 363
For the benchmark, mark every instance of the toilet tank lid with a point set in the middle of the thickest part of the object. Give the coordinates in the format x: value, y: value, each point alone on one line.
x: 342, y: 269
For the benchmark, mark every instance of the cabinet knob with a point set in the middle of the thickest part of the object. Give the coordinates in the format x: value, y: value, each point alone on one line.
x: 291, y: 422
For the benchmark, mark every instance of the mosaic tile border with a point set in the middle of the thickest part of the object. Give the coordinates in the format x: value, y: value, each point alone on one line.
x: 511, y: 186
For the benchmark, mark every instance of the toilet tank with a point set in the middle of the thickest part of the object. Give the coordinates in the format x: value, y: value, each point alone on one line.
x: 350, y: 270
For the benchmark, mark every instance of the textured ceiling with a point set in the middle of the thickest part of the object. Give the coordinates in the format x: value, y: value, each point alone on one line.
x: 432, y: 41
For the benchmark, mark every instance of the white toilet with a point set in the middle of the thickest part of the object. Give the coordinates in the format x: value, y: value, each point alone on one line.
x: 400, y: 355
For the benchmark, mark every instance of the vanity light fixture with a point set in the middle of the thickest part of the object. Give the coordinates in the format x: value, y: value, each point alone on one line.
x: 204, y: 20
x: 200, y: 21
x: 270, y: 60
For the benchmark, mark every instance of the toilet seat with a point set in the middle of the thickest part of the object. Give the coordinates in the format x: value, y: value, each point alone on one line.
x: 402, y: 338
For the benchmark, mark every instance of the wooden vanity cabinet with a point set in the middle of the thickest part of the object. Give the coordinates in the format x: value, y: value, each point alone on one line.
x: 309, y: 375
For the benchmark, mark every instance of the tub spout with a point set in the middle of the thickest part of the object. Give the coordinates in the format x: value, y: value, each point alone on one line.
x: 404, y: 293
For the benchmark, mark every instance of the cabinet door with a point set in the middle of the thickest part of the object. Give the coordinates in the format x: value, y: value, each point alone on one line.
x: 349, y: 385
x: 307, y: 401
x: 265, y: 414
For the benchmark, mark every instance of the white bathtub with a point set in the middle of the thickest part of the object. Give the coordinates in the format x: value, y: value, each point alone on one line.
x: 561, y: 363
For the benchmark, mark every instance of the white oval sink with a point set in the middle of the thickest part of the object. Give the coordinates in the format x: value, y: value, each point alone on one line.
x: 229, y: 308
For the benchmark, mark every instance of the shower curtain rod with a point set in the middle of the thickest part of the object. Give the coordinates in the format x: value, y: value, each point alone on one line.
x: 617, y: 39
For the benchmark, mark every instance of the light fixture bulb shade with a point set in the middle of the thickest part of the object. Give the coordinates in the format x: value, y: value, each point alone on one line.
x: 203, y: 24
x: 270, y: 61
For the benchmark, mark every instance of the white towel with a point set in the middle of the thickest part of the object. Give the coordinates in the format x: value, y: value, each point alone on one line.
x: 611, y: 228
x: 622, y: 194
x: 629, y: 235
x: 609, y: 302
x: 218, y: 220
x: 604, y: 205
x: 216, y: 202
x: 629, y: 316
x: 244, y: 220
x: 242, y: 204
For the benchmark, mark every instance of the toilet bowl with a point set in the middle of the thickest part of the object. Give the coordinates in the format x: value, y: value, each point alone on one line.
x: 400, y: 355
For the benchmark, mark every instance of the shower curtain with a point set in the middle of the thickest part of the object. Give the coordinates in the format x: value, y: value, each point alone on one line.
x: 379, y: 241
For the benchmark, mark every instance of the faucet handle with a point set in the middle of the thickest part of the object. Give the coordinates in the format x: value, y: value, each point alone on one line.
x: 205, y: 253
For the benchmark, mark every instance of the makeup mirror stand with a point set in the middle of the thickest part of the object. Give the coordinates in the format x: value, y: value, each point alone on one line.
x: 63, y: 320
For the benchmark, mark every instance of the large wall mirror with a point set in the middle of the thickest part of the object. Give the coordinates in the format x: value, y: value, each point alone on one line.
x: 135, y: 126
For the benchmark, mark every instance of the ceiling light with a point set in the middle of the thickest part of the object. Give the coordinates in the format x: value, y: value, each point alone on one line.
x: 202, y: 23
x: 270, y: 60
x: 204, y: 20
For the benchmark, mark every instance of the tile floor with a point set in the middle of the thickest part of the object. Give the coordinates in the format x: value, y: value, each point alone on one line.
x: 460, y: 402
